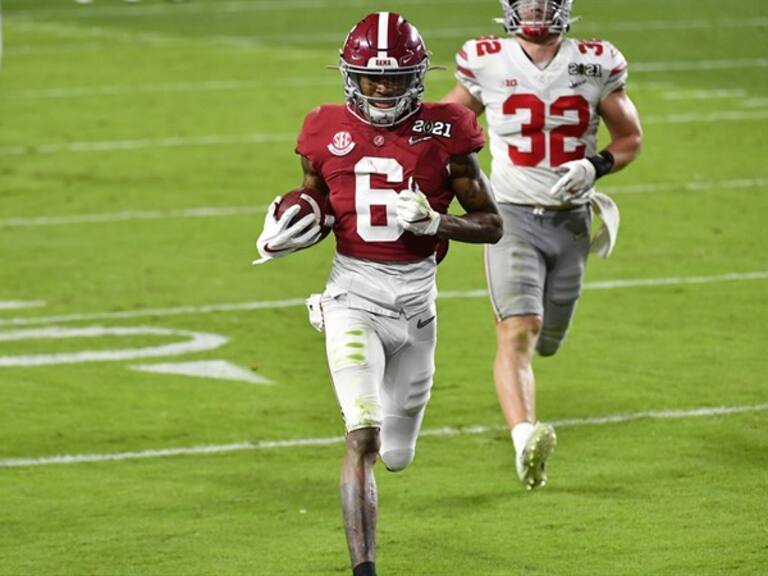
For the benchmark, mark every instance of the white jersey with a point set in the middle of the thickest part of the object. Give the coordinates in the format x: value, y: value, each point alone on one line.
x: 538, y: 119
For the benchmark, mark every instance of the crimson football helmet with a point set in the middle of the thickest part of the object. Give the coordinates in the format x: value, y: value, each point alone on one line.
x: 387, y: 49
x: 536, y: 18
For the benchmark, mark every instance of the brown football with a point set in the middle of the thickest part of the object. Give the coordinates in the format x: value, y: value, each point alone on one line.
x: 309, y: 202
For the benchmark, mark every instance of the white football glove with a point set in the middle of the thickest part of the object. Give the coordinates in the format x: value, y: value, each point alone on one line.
x: 576, y: 180
x: 414, y: 212
x: 280, y: 237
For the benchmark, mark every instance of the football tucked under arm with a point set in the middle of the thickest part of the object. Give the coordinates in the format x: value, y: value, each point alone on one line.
x: 295, y: 221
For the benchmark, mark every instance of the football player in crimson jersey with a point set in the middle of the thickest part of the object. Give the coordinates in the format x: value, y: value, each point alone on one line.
x: 544, y: 95
x: 390, y: 166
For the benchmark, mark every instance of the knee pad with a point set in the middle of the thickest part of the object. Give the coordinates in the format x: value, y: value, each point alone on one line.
x: 550, y: 341
x: 397, y: 460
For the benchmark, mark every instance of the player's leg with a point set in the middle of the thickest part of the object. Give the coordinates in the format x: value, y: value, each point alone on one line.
x: 356, y: 362
x: 568, y: 246
x: 516, y: 338
x: 407, y: 386
x: 359, y: 498
x: 565, y: 277
x: 516, y: 271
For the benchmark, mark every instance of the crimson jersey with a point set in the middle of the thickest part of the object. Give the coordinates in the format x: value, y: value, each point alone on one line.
x: 366, y: 167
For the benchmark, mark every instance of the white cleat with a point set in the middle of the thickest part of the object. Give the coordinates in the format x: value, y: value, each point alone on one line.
x: 532, y: 461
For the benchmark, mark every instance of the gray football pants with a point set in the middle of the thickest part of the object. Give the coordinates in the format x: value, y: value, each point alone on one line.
x: 538, y: 267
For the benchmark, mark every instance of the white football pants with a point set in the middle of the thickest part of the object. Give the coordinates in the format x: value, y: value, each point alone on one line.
x: 382, y: 370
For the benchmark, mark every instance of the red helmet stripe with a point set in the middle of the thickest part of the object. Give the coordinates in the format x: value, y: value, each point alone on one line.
x: 463, y: 54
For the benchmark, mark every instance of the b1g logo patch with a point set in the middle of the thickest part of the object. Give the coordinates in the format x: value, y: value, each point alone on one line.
x: 342, y: 144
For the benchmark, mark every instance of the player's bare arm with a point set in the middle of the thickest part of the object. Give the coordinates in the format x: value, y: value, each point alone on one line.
x: 460, y: 95
x: 623, y: 123
x: 482, y: 222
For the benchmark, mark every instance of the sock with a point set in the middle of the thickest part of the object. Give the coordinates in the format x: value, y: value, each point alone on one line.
x: 520, y: 434
x: 364, y: 569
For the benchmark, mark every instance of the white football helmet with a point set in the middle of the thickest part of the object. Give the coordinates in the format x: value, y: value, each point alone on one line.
x: 536, y: 18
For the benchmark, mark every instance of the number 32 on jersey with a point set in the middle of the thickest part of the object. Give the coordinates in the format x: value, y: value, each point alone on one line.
x: 542, y: 139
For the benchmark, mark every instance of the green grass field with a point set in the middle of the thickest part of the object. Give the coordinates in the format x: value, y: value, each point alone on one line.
x: 139, y: 145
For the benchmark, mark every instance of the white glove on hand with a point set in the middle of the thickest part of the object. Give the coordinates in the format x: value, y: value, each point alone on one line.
x: 414, y: 212
x: 576, y: 181
x: 280, y: 237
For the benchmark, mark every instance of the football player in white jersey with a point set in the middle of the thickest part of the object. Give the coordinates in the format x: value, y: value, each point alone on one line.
x: 544, y: 95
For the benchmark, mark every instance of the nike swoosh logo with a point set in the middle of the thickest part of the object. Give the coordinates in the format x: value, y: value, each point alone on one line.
x: 575, y: 84
x: 413, y: 140
x: 421, y: 323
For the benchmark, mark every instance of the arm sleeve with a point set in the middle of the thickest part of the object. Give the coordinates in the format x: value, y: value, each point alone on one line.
x: 466, y: 72
x: 615, y: 73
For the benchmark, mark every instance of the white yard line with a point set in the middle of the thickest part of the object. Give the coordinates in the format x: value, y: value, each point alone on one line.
x: 168, y: 88
x: 703, y: 94
x: 17, y: 304
x: 217, y: 8
x: 129, y: 215
x: 708, y: 117
x: 155, y: 312
x: 661, y: 25
x: 692, y: 186
x: 146, y: 143
x: 465, y: 33
x: 754, y: 102
x: 239, y: 7
x: 632, y: 283
x: 292, y: 302
x: 224, y: 211
x: 271, y: 138
x: 447, y: 431
x: 696, y: 65
x: 332, y: 79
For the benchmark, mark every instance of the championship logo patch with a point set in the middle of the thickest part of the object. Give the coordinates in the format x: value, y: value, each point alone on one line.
x: 342, y: 144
